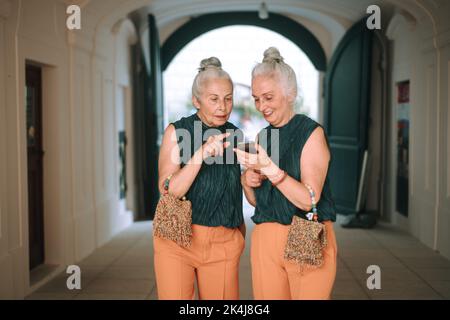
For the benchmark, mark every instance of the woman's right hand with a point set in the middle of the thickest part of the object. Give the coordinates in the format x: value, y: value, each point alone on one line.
x: 214, y: 145
x: 252, y: 178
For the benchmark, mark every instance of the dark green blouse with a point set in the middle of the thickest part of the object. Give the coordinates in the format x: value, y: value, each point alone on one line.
x: 271, y: 204
x: 216, y: 193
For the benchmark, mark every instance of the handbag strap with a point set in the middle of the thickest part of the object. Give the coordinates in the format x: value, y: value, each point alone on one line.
x: 313, y: 214
x: 166, y: 184
x: 166, y: 187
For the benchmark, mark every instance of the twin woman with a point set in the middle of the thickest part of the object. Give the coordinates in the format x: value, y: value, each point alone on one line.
x: 279, y: 189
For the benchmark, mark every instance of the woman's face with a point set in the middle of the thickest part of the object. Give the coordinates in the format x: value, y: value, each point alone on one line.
x: 215, y: 102
x: 271, y: 100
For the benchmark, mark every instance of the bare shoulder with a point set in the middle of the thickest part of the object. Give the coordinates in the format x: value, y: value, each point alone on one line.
x: 317, y: 143
x: 168, y: 146
x: 170, y: 129
x: 170, y: 133
x: 317, y: 136
x: 318, y: 133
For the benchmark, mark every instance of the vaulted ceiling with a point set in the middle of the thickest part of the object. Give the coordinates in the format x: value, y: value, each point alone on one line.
x: 334, y: 16
x: 341, y: 11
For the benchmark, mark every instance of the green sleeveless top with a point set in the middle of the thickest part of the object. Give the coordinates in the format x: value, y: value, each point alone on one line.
x: 216, y: 193
x: 271, y: 204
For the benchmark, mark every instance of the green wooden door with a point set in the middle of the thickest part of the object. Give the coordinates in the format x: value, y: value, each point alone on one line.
x: 155, y: 116
x: 147, y: 106
x: 347, y: 102
x: 156, y: 75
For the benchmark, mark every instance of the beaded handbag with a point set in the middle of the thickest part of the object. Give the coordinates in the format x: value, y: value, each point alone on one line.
x: 173, y: 218
x: 306, y: 239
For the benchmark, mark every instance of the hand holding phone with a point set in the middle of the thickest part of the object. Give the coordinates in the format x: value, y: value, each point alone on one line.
x: 248, y: 147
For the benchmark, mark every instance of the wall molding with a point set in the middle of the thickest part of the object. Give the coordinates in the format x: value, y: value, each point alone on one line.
x: 443, y: 39
x: 398, y: 19
x: 448, y: 131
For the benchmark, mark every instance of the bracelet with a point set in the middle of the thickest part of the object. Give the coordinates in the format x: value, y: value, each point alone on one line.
x: 279, y: 178
x: 275, y: 176
x: 313, y: 214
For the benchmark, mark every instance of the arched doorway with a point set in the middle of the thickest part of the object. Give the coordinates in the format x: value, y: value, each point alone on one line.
x: 283, y: 25
x: 239, y: 48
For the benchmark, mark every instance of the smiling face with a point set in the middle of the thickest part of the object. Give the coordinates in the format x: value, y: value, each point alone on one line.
x: 215, y: 102
x: 271, y: 100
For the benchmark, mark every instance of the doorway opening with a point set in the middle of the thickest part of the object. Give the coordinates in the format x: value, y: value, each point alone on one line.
x: 402, y: 177
x: 239, y: 48
x: 35, y: 155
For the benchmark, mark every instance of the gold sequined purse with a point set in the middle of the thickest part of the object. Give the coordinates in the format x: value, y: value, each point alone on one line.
x: 173, y: 218
x: 306, y: 239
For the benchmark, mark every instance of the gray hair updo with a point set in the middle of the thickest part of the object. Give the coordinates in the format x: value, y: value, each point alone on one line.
x: 210, y: 68
x: 273, y: 65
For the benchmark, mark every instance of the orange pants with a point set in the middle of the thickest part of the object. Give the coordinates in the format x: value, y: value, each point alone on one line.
x: 275, y: 278
x: 213, y: 257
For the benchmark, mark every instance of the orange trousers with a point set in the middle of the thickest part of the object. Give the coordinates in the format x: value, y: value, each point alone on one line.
x: 213, y: 258
x: 275, y: 278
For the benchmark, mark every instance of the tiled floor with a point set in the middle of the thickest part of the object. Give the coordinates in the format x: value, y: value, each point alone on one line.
x: 123, y: 268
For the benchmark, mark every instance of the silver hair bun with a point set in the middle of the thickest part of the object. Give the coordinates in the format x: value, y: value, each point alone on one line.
x: 272, y: 55
x: 211, y: 62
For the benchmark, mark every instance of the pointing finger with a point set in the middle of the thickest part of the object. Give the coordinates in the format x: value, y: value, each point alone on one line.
x: 222, y: 136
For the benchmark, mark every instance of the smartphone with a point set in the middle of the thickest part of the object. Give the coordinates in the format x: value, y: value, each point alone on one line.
x: 247, y: 147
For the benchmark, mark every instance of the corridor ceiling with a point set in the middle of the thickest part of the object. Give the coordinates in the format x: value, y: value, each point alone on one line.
x: 334, y: 15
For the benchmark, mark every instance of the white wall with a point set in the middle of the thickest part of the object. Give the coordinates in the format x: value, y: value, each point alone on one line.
x: 421, y: 53
x: 402, y: 42
x: 125, y: 35
x: 443, y: 137
x: 101, y: 68
x: 80, y: 80
x: 6, y: 263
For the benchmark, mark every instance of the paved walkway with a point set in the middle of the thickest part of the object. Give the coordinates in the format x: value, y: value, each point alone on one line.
x: 123, y: 268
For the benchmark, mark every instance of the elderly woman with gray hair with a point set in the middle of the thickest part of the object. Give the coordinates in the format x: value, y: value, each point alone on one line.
x: 287, y: 187
x: 213, y: 188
